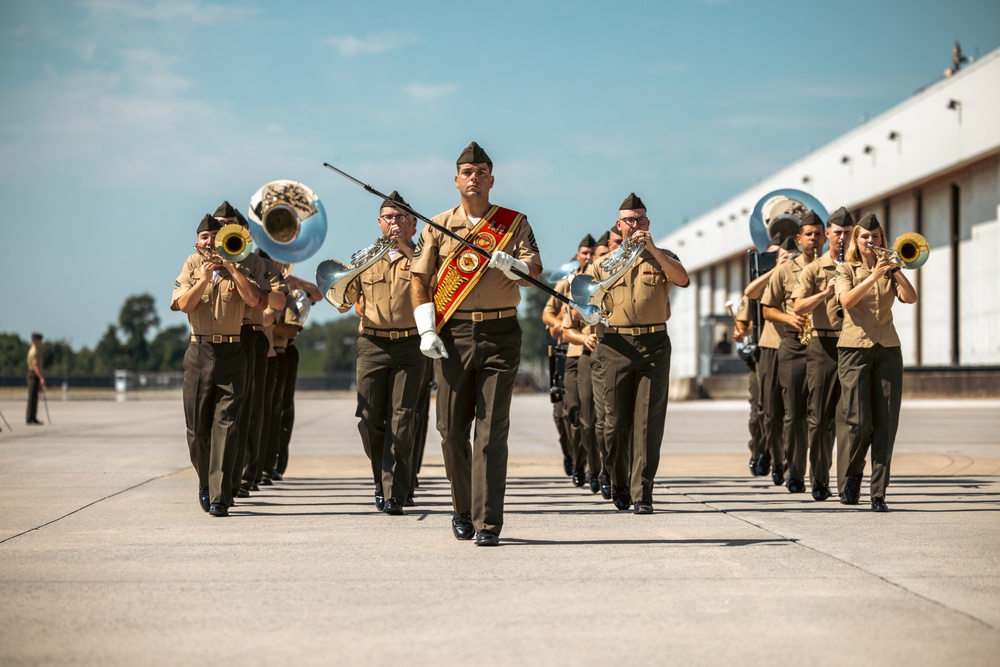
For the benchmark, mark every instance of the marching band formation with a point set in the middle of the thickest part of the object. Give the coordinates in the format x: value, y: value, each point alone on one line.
x: 443, y: 311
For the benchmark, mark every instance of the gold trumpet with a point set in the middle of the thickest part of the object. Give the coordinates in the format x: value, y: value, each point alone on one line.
x: 909, y: 251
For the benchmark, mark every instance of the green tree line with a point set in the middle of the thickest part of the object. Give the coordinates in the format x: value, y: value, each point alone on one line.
x: 137, y: 342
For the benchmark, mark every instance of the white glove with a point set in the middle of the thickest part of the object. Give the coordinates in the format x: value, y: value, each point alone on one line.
x: 431, y: 344
x: 504, y: 262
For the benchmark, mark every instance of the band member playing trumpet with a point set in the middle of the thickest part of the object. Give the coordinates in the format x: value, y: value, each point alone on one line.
x: 635, y: 356
x: 777, y: 302
x: 466, y: 312
x: 814, y: 293
x: 871, y: 362
x: 214, y: 293
x: 391, y: 371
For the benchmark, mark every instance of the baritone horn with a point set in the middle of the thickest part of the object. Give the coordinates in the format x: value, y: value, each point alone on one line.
x: 289, y: 221
x: 233, y: 243
x: 333, y: 278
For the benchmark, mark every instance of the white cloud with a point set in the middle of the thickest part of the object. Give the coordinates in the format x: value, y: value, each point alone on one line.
x: 428, y: 91
x: 351, y: 46
x: 194, y: 11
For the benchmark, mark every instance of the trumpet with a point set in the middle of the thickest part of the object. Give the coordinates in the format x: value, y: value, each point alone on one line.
x: 909, y: 251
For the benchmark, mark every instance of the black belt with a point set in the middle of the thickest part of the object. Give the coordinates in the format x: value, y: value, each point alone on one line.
x: 636, y: 331
x: 213, y: 338
x: 391, y: 334
x: 483, y: 315
x: 826, y: 333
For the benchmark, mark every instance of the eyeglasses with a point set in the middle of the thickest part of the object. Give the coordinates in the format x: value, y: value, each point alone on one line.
x: 394, y: 218
x: 636, y: 221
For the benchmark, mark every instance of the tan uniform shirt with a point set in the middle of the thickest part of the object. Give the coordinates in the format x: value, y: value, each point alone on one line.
x: 870, y: 320
x: 743, y: 312
x: 278, y: 341
x: 385, y: 286
x: 34, y: 361
x: 571, y: 320
x: 262, y: 273
x: 221, y: 308
x: 813, y: 280
x: 555, y: 307
x: 778, y: 294
x: 641, y: 297
x: 494, y: 290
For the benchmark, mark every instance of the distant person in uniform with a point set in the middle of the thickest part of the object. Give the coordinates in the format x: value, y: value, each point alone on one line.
x: 36, y: 379
x: 465, y: 309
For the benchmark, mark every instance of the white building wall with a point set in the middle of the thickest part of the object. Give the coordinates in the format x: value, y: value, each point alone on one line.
x: 920, y: 145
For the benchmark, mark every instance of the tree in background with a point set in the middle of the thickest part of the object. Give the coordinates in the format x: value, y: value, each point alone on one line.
x: 136, y: 319
x: 535, y: 339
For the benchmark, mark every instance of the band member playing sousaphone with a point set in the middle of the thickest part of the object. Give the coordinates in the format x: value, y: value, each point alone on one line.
x: 465, y: 309
x: 871, y: 363
x: 391, y: 371
x: 814, y: 293
x: 635, y: 356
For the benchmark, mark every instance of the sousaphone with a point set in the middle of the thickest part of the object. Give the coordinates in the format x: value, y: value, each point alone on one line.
x: 289, y: 221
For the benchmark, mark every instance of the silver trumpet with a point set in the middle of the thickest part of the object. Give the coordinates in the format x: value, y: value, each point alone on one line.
x: 333, y: 278
x: 585, y: 290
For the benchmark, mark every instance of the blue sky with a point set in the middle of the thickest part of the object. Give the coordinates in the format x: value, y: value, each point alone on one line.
x: 123, y: 123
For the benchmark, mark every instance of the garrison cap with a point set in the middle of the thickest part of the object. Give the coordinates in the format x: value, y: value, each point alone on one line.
x: 841, y: 217
x: 812, y: 219
x: 36, y: 336
x: 869, y: 221
x: 614, y: 230
x: 240, y: 220
x: 209, y: 224
x: 604, y: 239
x: 631, y: 203
x: 789, y: 244
x: 474, y: 154
x: 225, y: 210
x: 587, y: 242
x: 392, y: 200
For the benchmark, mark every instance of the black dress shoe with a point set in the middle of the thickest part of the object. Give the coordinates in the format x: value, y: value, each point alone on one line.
x: 796, y: 485
x: 393, y: 507
x: 821, y: 492
x: 379, y: 500
x: 485, y: 538
x: 276, y: 476
x: 778, y: 476
x: 763, y: 465
x: 578, y: 478
x: 621, y: 499
x: 878, y: 505
x: 35, y: 422
x: 605, y: 487
x: 643, y: 508
x: 595, y: 484
x: 218, y: 509
x: 753, y: 466
x: 461, y: 525
x: 568, y: 466
x: 409, y: 501
x: 265, y: 481
x: 242, y: 492
x: 255, y: 487
x: 203, y: 499
x: 852, y: 491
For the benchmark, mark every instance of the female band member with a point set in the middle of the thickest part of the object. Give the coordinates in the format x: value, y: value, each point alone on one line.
x: 871, y: 363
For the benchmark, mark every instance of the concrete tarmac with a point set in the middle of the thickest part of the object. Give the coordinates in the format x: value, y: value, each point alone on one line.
x: 107, y: 558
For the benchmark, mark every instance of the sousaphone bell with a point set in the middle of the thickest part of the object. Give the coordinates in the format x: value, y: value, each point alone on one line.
x: 289, y: 221
x: 779, y: 214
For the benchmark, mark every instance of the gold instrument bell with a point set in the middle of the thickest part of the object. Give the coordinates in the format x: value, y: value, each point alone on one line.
x: 909, y: 251
x: 233, y: 243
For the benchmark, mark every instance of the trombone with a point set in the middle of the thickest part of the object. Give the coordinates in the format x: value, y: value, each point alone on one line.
x: 909, y: 251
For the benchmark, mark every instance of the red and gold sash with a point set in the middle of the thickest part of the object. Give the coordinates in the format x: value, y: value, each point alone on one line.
x: 463, y: 268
